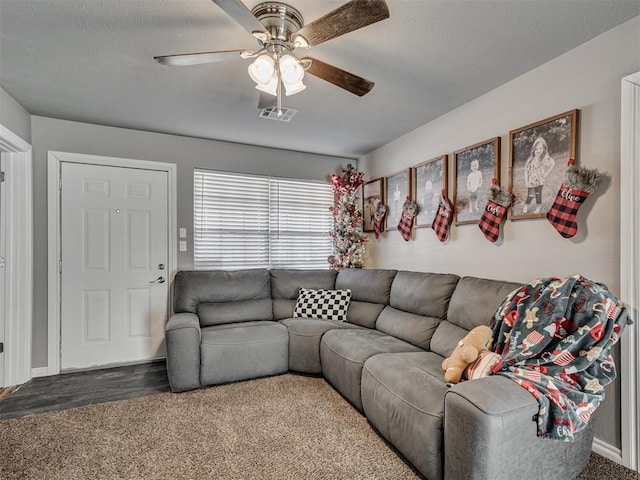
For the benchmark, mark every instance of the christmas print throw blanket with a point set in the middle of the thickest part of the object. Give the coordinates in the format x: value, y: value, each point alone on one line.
x: 555, y: 337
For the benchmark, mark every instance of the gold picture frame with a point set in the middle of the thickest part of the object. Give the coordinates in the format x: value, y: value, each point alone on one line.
x: 397, y: 189
x: 473, y: 169
x: 538, y: 160
x: 429, y: 179
x: 372, y: 195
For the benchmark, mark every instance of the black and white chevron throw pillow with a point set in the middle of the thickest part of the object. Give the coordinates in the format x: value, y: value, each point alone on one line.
x: 323, y: 304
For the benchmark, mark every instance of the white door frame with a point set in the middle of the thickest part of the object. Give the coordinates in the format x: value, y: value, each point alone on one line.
x: 630, y: 268
x: 18, y: 308
x: 54, y: 161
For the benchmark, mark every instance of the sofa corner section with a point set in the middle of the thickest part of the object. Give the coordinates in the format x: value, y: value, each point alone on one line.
x: 500, y: 417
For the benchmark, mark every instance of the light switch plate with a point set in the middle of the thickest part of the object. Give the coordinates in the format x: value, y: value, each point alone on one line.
x: 183, y: 233
x: 183, y: 245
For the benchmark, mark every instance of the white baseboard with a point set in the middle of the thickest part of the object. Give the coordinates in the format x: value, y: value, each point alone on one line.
x: 39, y: 372
x: 607, y: 451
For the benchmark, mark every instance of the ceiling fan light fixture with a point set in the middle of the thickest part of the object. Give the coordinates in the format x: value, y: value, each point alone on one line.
x: 292, y: 74
x: 270, y: 86
x: 262, y: 69
x: 294, y: 88
x: 290, y: 69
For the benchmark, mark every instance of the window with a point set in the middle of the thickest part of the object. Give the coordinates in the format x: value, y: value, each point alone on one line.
x: 251, y: 221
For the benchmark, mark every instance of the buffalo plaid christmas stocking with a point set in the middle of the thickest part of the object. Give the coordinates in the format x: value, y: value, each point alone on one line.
x: 494, y: 211
x: 443, y: 218
x: 378, y: 218
x: 409, y: 210
x: 579, y: 182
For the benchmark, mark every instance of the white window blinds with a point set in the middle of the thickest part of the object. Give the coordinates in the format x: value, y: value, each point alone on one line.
x: 249, y: 221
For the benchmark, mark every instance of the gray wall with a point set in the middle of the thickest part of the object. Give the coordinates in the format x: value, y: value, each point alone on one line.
x: 587, y: 78
x: 14, y: 117
x: 187, y: 153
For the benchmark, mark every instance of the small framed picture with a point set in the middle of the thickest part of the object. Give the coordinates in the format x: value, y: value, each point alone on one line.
x: 372, y: 196
x: 398, y: 188
x: 474, y: 167
x: 429, y: 179
x: 538, y: 156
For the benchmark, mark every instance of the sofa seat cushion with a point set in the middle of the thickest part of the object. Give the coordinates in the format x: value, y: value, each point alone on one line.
x: 343, y: 353
x: 304, y: 342
x: 240, y: 351
x: 403, y: 397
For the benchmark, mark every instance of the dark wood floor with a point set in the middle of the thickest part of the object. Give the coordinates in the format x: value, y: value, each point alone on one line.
x: 70, y: 390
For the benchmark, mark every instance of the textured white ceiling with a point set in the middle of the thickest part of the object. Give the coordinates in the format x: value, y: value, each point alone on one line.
x: 92, y: 61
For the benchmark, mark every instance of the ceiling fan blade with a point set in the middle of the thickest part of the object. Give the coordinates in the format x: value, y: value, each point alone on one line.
x: 347, y: 18
x: 241, y: 14
x: 340, y: 78
x: 184, y: 59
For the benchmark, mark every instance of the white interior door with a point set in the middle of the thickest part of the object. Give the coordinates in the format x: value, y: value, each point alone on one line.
x: 114, y: 251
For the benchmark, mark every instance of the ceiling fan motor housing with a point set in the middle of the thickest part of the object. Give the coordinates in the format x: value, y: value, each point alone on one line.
x: 279, y: 19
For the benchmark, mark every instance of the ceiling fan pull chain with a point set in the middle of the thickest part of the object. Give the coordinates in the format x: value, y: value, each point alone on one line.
x: 279, y: 89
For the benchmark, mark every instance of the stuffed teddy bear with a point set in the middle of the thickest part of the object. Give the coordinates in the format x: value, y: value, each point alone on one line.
x: 465, y: 353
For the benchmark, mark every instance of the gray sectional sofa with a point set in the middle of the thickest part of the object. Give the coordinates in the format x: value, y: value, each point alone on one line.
x: 385, y: 360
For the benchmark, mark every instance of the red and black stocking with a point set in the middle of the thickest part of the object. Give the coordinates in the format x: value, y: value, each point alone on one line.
x: 578, y: 183
x: 409, y: 210
x: 378, y: 219
x: 443, y: 218
x: 494, y: 212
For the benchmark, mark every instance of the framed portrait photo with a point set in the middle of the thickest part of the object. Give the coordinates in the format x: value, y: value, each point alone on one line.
x: 538, y: 156
x: 474, y: 167
x: 372, y: 196
x: 429, y: 179
x: 398, y: 188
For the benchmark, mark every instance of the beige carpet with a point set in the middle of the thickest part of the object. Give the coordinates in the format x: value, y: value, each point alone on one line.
x: 284, y: 427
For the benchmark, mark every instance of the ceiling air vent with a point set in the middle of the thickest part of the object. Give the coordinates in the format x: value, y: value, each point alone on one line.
x: 272, y: 114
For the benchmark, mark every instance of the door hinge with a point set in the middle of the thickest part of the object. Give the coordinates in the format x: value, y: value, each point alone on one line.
x: 1, y: 177
x: 1, y: 347
x: 60, y: 266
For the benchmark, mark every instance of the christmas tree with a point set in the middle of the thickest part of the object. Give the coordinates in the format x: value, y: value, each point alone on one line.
x: 348, y: 239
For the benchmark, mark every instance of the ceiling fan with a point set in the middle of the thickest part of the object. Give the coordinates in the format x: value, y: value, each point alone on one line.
x: 280, y: 29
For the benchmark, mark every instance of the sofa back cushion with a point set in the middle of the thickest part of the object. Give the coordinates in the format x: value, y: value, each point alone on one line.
x: 473, y: 303
x: 370, y: 292
x: 219, y: 297
x: 417, y: 305
x: 286, y: 284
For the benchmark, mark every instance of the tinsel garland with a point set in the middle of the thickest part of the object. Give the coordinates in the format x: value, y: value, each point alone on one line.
x: 348, y: 239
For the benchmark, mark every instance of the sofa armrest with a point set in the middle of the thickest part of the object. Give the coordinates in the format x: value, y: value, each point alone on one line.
x: 490, y: 431
x: 183, y: 336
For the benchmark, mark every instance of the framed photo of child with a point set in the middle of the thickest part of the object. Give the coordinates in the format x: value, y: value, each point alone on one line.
x: 372, y: 196
x: 538, y: 156
x: 429, y: 179
x: 397, y: 191
x: 474, y: 167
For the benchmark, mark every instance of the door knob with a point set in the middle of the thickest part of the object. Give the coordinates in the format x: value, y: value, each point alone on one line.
x: 157, y: 280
